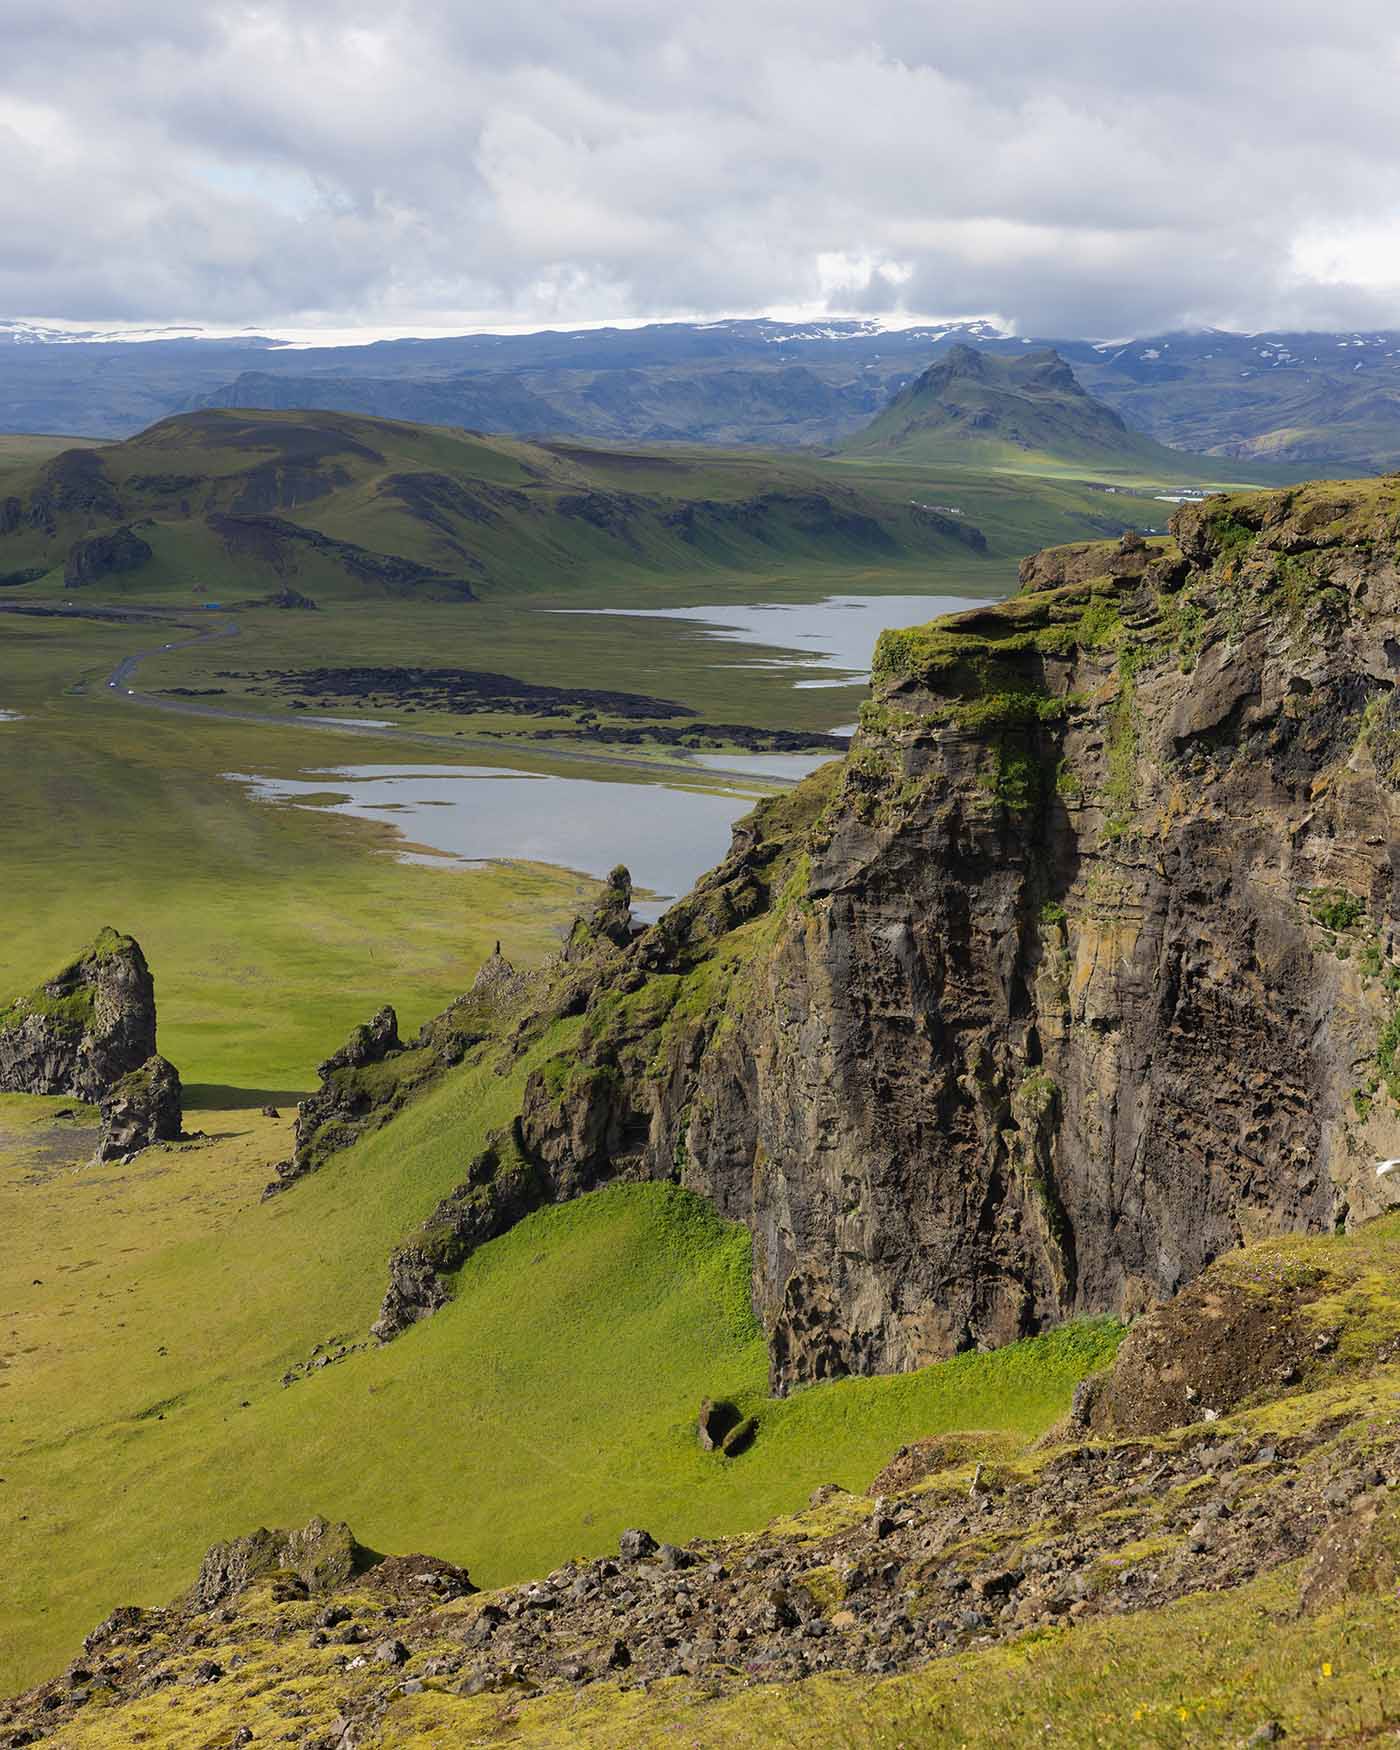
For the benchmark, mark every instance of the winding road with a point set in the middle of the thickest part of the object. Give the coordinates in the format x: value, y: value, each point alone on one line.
x: 119, y: 686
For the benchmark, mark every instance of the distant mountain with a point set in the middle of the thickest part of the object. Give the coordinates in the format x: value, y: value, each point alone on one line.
x: 987, y: 410
x: 1330, y: 401
x: 222, y: 506
x: 1322, y: 402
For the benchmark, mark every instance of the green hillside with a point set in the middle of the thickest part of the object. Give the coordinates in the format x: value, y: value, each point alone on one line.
x: 1022, y: 412
x: 238, y: 505
x: 171, y: 1301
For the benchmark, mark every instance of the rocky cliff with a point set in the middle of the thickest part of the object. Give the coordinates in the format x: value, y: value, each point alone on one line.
x: 1079, y: 971
x: 83, y: 1029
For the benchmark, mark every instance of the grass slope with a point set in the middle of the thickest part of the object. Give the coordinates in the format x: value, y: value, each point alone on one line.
x: 549, y: 1406
x: 344, y: 506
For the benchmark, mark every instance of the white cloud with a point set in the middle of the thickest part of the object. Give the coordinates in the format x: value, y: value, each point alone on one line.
x: 1083, y: 167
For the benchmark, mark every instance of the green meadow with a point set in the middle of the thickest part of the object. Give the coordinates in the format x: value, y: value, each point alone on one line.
x: 549, y: 1406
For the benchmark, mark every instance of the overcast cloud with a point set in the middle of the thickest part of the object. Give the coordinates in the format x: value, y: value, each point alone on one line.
x: 1074, y: 166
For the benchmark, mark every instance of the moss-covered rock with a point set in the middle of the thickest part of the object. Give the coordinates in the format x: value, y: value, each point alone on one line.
x: 83, y: 1029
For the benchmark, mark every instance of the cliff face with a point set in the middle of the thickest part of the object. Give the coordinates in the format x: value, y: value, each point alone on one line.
x: 1080, y: 971
x: 85, y: 1028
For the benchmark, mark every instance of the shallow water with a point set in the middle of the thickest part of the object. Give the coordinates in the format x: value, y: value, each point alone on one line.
x: 666, y: 834
x: 765, y: 765
x: 832, y: 640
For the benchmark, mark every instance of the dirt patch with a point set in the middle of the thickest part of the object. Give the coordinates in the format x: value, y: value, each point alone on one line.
x: 1218, y: 1345
x: 53, y: 1146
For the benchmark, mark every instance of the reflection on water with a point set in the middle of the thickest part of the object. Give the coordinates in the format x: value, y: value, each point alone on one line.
x: 836, y: 634
x: 666, y: 835
x: 766, y: 765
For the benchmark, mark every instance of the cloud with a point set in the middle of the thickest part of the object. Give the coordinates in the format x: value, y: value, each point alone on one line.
x: 1081, y: 168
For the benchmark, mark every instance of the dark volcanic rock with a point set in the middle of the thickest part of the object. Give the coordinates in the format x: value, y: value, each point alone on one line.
x: 368, y: 1080
x: 145, y: 1106
x: 345, y: 1104
x: 499, y: 1189
x: 609, y: 921
x: 106, y: 555
x: 1080, y: 974
x: 84, y: 1028
x: 459, y: 690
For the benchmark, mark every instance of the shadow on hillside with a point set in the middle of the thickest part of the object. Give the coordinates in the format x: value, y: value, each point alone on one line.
x: 216, y: 1097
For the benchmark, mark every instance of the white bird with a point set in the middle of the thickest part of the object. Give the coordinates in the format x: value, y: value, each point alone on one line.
x: 1384, y: 1167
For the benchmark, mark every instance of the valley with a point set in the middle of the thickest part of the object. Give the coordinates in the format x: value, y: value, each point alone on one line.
x: 342, y: 753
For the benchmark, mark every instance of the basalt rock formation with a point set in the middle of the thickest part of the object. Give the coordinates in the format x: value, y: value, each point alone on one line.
x: 146, y: 1106
x: 348, y: 1101
x: 1080, y: 971
x: 83, y: 1029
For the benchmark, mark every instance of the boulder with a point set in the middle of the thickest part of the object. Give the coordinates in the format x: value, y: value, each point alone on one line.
x: 145, y: 1106
x: 83, y: 1029
x: 715, y: 1421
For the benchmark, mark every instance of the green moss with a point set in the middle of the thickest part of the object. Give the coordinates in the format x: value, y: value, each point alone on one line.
x: 1017, y: 778
x: 1335, y: 908
x: 1120, y: 789
x: 1228, y: 534
x: 1184, y: 622
x: 1388, y: 1054
x: 67, y: 1001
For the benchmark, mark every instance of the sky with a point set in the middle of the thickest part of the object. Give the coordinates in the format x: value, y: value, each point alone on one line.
x: 1069, y: 167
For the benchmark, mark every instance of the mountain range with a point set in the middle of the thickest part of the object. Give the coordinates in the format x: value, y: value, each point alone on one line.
x: 1331, y: 401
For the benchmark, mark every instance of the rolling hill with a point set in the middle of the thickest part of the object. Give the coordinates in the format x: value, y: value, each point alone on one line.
x: 979, y: 409
x: 226, y: 505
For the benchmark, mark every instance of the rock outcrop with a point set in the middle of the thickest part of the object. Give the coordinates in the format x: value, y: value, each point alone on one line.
x: 374, y: 1073
x: 319, y: 1555
x: 144, y: 1107
x: 348, y: 1102
x: 499, y: 1189
x: 107, y: 555
x: 83, y: 1029
x: 609, y: 921
x: 1082, y: 970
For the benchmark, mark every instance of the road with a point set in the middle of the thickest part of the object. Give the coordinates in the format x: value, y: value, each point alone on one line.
x: 120, y: 687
